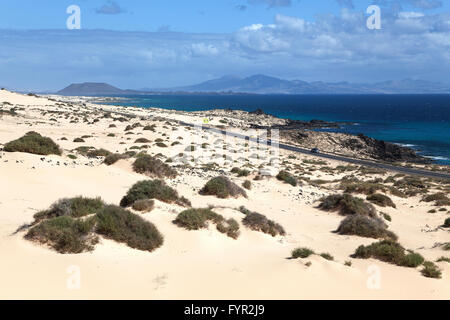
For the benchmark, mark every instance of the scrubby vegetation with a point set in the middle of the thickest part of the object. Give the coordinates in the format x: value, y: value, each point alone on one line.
x: 65, y: 234
x: 152, y: 189
x: 123, y: 226
x: 258, y: 222
x: 33, y: 143
x: 149, y: 165
x: 381, y: 200
x: 287, y: 177
x: 347, y: 205
x: 247, y: 184
x: 195, y: 219
x: 301, y: 253
x: 430, y: 270
x: 223, y: 188
x: 98, y: 153
x: 327, y: 256
x: 144, y: 205
x: 113, y: 158
x: 365, y: 226
x: 391, y: 252
x: 240, y: 172
x: 71, y: 207
x: 361, y: 187
x: 447, y: 223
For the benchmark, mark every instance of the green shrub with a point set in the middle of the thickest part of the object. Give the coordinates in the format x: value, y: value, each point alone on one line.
x: 144, y: 205
x: 195, y: 219
x: 142, y: 140
x: 447, y: 223
x: 361, y: 187
x: 365, y: 226
x: 287, y: 177
x: 389, y: 251
x: 240, y: 172
x: 65, y: 234
x: 435, y: 197
x: 386, y: 216
x: 430, y: 270
x: 443, y: 259
x: 301, y: 253
x: 152, y: 166
x: 247, y: 184
x: 123, y: 226
x: 327, y: 256
x: 161, y: 145
x: 152, y: 189
x: 98, y: 153
x: 230, y: 227
x: 72, y: 207
x: 72, y: 156
x: 347, y: 205
x: 222, y: 187
x: 258, y: 222
x: 113, y: 158
x: 33, y: 143
x: 78, y: 140
x: 381, y: 200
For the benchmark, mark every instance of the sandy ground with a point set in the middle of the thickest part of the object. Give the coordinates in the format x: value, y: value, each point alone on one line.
x: 201, y: 264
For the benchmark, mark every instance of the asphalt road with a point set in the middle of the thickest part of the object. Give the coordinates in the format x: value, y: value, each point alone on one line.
x: 367, y: 163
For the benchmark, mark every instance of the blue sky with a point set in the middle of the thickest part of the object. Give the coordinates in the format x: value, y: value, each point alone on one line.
x: 156, y: 43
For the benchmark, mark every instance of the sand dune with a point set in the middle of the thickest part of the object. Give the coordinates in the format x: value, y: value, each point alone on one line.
x: 203, y: 264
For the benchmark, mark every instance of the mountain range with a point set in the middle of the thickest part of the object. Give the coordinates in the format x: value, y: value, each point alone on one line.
x: 262, y: 84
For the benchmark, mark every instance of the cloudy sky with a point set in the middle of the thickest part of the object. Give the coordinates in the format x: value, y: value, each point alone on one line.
x: 164, y: 43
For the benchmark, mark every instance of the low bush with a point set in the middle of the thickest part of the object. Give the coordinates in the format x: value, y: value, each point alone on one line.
x: 287, y: 177
x: 152, y: 166
x: 222, y: 187
x: 381, y: 200
x: 230, y: 227
x: 65, y: 234
x: 71, y: 207
x: 391, y: 252
x: 152, y: 189
x: 33, y: 143
x: 78, y: 140
x: 258, y: 222
x: 113, y: 158
x: 447, y: 223
x: 98, y: 153
x: 240, y: 172
x: 347, y: 205
x: 327, y: 256
x: 361, y: 187
x: 365, y: 226
x: 301, y: 253
x: 142, y: 140
x: 144, y: 205
x: 120, y: 225
x: 195, y: 219
x: 430, y: 270
x: 436, y: 197
x: 247, y: 184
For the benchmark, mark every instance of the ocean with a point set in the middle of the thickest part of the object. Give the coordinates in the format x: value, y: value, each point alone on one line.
x: 421, y: 122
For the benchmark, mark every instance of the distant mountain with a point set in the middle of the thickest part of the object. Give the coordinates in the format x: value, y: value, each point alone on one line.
x: 262, y: 84
x: 90, y: 89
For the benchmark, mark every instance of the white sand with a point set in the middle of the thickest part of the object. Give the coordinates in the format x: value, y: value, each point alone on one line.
x: 201, y: 264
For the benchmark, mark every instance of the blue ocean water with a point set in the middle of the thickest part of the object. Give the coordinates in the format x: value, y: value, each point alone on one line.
x: 421, y: 122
